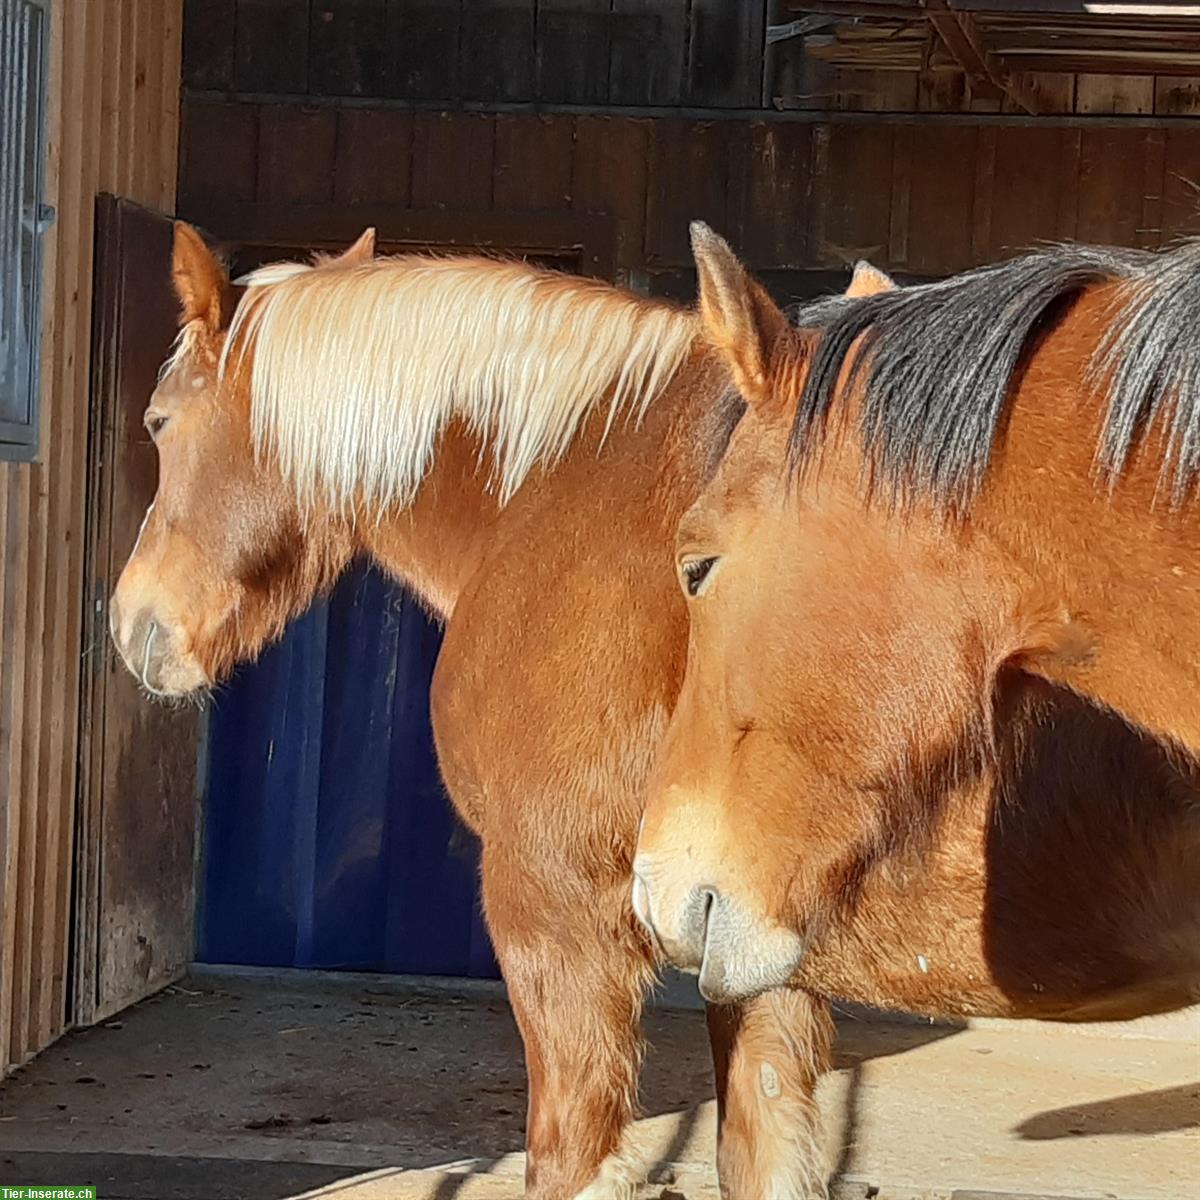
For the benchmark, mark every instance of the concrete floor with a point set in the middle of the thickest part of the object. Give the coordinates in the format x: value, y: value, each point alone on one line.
x: 236, y: 1088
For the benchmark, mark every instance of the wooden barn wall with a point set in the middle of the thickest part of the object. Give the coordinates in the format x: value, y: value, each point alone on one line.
x: 114, y: 101
x: 702, y: 53
x: 651, y: 54
x: 924, y: 196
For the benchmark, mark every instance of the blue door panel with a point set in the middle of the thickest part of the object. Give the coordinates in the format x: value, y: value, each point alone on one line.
x: 329, y: 840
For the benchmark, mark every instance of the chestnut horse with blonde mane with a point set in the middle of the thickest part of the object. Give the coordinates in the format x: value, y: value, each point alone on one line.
x: 519, y: 447
x: 516, y: 446
x: 937, y: 495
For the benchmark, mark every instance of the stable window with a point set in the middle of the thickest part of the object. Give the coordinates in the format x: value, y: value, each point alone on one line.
x: 24, y: 216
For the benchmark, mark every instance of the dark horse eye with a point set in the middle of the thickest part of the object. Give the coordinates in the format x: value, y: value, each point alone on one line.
x: 695, y: 572
x: 154, y: 424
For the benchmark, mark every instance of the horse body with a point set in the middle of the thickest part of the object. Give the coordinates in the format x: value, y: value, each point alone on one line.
x: 559, y: 664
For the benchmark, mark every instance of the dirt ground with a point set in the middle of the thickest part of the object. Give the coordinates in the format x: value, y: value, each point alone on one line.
x: 260, y: 1088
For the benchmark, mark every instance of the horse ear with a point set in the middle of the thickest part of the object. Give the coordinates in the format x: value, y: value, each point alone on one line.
x: 363, y: 249
x: 740, y: 319
x: 869, y: 281
x: 200, y: 280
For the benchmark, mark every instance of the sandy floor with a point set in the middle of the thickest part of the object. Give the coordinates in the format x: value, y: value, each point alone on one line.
x: 257, y: 1089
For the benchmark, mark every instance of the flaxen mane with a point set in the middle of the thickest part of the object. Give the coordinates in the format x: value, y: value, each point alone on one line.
x: 935, y: 363
x: 356, y: 369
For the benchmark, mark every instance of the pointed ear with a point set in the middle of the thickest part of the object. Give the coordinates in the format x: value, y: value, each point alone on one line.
x: 740, y: 319
x: 200, y: 281
x: 869, y: 281
x: 363, y: 249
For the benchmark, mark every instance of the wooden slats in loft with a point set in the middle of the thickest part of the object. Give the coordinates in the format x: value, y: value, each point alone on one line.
x: 994, y: 46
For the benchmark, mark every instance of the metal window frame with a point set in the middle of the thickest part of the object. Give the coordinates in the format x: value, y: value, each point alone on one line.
x: 19, y: 440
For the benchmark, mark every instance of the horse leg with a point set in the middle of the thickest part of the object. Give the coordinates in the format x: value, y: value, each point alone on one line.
x: 768, y: 1054
x: 577, y: 973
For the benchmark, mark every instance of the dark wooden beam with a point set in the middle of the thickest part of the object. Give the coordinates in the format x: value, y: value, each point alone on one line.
x: 963, y: 39
x: 1083, y: 9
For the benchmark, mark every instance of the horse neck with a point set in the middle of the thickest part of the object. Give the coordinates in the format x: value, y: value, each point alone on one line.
x: 436, y: 543
x: 1123, y: 564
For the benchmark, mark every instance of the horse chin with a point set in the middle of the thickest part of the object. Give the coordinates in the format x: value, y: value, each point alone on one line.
x: 184, y: 680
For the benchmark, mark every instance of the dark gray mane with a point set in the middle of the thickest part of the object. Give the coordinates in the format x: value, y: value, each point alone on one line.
x: 937, y: 362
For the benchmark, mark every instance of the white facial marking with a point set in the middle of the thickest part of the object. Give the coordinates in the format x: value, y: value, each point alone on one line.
x: 150, y: 632
x: 768, y: 1080
x: 923, y: 963
x: 141, y: 529
x: 197, y: 382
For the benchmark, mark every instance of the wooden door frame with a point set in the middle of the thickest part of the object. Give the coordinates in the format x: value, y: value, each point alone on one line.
x: 90, y: 994
x: 594, y: 236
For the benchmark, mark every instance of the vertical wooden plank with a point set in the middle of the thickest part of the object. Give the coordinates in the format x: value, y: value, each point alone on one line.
x: 1114, y: 94
x: 374, y: 157
x: 168, y: 132
x: 208, y: 34
x: 984, y: 195
x: 1066, y: 226
x: 127, y: 70
x: 78, y: 313
x: 496, y: 51
x: 7, y: 799
x: 452, y: 160
x: 902, y: 183
x: 778, y: 183
x: 725, y: 53
x: 296, y: 154
x: 690, y: 179
x: 1026, y: 205
x: 572, y: 51
x: 534, y: 160
x: 423, y: 48
x: 46, y: 993
x: 943, y: 179
x: 1050, y: 91
x: 12, y: 720
x: 147, y: 775
x: 271, y: 46
x: 150, y: 51
x: 107, y: 49
x: 1177, y: 95
x: 1181, y: 184
x: 1153, y: 178
x: 610, y: 176
x: 1111, y: 188
x: 858, y: 194
x: 648, y: 42
x: 219, y: 150
x: 347, y: 48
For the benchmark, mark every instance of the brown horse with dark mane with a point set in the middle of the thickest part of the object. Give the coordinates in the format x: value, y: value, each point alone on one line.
x: 941, y: 502
x: 893, y: 771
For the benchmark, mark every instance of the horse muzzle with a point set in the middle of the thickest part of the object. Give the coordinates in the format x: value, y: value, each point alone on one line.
x: 702, y: 929
x: 150, y: 651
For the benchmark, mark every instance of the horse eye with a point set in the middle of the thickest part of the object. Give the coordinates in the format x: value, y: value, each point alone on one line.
x: 154, y: 424
x: 695, y: 571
